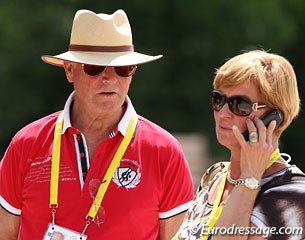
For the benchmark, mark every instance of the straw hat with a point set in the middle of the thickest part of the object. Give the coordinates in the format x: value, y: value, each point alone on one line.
x: 101, y: 39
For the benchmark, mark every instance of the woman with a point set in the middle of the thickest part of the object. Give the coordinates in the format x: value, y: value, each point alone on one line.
x: 257, y: 193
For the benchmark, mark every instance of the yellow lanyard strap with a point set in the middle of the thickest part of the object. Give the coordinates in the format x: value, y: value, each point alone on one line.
x: 111, y: 169
x: 216, y: 211
x: 275, y: 155
x: 56, y: 160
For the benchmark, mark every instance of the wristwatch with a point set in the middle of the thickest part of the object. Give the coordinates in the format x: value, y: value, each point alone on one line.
x: 251, y: 183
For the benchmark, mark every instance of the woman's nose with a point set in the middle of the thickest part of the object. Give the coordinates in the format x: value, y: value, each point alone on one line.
x: 225, y: 111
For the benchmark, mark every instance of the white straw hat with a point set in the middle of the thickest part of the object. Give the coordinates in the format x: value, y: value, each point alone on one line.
x: 101, y: 39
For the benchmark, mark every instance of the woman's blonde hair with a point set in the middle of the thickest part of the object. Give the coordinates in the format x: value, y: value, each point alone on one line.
x: 273, y: 75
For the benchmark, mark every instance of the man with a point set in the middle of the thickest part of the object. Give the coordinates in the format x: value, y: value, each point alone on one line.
x: 96, y: 170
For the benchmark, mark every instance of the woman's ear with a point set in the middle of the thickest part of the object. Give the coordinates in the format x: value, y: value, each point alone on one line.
x: 68, y: 66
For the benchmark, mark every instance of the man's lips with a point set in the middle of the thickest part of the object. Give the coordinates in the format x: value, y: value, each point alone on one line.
x: 107, y: 93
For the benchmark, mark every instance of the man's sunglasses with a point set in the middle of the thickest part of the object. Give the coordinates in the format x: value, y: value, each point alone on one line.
x: 122, y: 71
x: 239, y: 105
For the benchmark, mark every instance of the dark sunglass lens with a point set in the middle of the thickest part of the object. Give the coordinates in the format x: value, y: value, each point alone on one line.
x: 125, y: 71
x: 218, y: 100
x: 93, y: 70
x: 240, y: 106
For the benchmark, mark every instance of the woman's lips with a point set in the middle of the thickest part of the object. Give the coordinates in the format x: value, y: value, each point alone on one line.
x: 225, y: 127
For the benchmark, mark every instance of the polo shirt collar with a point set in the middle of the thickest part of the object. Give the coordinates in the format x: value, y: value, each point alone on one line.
x: 122, y: 126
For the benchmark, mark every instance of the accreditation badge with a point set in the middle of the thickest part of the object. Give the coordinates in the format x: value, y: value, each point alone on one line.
x: 56, y: 232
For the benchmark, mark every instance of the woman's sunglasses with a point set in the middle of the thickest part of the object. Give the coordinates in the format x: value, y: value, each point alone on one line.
x: 122, y: 71
x: 239, y: 105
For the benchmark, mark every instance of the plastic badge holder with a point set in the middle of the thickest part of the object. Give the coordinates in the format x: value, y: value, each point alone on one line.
x: 56, y: 232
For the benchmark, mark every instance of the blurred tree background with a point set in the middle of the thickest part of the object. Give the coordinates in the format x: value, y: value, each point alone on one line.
x: 195, y: 36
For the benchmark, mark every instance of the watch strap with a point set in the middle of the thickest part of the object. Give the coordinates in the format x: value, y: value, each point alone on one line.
x: 243, y: 182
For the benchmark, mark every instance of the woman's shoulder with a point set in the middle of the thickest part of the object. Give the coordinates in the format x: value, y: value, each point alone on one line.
x: 281, y: 200
x: 291, y: 175
x: 290, y: 183
x: 215, y: 169
x: 212, y: 174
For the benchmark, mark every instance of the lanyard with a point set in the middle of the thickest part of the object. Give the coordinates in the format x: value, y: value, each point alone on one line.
x: 107, y: 178
x: 56, y: 160
x: 274, y: 156
x: 217, y: 209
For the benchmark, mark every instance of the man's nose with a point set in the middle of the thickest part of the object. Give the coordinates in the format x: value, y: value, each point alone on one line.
x: 109, y: 74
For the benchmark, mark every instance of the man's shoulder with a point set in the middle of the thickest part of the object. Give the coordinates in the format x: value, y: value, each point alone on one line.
x: 39, y: 126
x: 153, y: 130
x: 155, y: 134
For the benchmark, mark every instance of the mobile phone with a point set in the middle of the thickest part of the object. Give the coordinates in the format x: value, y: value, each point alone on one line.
x: 275, y: 114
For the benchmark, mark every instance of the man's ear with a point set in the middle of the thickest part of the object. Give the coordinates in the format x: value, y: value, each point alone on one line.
x: 68, y: 66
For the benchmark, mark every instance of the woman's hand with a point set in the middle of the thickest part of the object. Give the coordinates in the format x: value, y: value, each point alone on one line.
x: 255, y: 156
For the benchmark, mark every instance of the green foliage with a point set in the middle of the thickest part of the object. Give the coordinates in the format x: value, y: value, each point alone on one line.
x: 196, y: 37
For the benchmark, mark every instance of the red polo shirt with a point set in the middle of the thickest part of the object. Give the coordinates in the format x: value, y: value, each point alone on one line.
x: 152, y: 182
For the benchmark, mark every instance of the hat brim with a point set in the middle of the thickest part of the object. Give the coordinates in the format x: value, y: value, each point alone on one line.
x: 100, y: 58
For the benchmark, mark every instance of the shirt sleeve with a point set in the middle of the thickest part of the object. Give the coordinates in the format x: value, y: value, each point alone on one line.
x: 177, y: 184
x: 10, y: 180
x: 281, y: 207
x: 257, y: 219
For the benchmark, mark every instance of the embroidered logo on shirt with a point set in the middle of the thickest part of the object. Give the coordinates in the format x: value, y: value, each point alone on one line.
x: 127, y: 174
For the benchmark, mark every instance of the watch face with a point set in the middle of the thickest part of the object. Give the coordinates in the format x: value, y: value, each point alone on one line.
x: 251, y: 183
